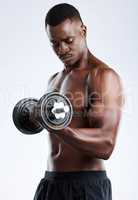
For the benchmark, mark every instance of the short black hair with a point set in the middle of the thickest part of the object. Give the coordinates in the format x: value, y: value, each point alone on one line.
x: 61, y: 12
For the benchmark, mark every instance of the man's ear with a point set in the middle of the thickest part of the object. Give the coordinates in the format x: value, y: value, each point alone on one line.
x: 84, y: 30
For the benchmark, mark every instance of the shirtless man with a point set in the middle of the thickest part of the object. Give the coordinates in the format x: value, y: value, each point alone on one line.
x: 75, y: 165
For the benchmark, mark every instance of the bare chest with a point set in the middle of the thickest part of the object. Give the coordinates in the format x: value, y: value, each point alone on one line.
x: 74, y: 86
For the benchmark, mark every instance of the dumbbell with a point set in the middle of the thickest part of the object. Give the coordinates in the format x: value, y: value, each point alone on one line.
x: 52, y: 110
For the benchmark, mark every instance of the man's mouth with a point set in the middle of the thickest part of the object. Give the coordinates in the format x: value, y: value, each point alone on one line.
x: 66, y: 57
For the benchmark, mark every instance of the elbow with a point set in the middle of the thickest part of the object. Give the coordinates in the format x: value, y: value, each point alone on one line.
x: 109, y: 146
x: 106, y: 156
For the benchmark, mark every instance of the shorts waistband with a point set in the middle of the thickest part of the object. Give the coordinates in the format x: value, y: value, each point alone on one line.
x: 81, y: 175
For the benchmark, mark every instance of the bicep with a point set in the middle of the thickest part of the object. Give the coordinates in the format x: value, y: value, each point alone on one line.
x: 106, y: 103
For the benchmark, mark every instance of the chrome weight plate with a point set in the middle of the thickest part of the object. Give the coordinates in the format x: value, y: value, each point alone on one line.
x: 55, y: 110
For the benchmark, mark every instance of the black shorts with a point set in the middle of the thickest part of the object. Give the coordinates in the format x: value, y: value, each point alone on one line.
x: 76, y: 185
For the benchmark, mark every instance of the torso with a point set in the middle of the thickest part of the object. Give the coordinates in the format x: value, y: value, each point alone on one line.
x: 62, y: 156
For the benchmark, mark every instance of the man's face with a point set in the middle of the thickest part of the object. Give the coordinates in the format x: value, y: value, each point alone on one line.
x: 68, y: 40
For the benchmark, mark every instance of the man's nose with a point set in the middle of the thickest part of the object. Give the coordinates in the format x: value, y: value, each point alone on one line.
x: 63, y: 49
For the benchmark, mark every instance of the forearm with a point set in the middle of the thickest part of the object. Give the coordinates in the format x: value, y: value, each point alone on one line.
x: 91, y: 141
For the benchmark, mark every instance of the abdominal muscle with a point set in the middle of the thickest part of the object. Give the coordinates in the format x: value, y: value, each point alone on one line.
x: 63, y: 157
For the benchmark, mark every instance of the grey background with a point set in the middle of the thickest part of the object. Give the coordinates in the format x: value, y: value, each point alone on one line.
x: 26, y: 62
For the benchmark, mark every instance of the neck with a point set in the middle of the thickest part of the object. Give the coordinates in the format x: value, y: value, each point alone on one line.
x: 82, y: 63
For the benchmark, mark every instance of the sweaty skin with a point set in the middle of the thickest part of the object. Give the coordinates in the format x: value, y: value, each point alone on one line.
x: 95, y: 91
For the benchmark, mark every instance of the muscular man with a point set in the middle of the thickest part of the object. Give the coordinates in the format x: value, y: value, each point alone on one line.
x: 75, y: 165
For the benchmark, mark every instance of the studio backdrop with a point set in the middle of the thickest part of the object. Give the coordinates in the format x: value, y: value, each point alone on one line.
x: 27, y: 61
